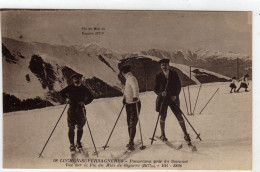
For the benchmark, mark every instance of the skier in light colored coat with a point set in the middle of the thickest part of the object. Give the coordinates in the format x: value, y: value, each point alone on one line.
x: 131, y: 97
x: 244, y: 83
x: 233, y: 84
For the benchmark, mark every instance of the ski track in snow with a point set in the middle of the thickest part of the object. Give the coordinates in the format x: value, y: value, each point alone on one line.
x: 224, y: 125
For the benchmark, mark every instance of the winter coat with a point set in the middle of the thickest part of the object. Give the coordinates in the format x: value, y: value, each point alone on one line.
x: 77, y: 94
x: 131, y: 89
x: 173, y: 88
x: 244, y: 80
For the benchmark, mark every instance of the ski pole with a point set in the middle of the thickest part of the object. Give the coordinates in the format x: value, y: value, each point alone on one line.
x: 166, y: 87
x: 152, y: 139
x: 96, y: 152
x: 185, y: 100
x: 52, y: 131
x: 113, y: 127
x: 198, y: 135
x: 209, y: 100
x: 137, y: 113
x: 189, y: 93
x: 189, y: 100
x: 196, y: 99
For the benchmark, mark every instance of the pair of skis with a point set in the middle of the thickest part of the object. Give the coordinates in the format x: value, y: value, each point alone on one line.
x: 191, y: 146
x: 142, y: 147
x: 127, y: 153
x: 81, y: 151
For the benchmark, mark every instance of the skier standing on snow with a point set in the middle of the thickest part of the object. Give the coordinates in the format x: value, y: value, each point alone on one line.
x: 244, y: 83
x: 77, y: 96
x: 233, y: 85
x: 168, y: 97
x: 131, y: 97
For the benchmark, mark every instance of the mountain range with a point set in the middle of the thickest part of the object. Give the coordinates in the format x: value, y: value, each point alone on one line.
x: 225, y: 63
x: 38, y: 71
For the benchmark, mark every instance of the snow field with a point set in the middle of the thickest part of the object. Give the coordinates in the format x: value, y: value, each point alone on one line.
x: 225, y: 126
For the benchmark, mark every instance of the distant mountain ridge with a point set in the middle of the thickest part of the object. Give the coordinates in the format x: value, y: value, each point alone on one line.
x: 41, y: 70
x: 219, y: 62
x: 97, y: 49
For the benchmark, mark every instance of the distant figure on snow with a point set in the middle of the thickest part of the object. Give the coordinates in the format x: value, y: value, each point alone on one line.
x: 233, y: 85
x: 244, y: 83
x: 131, y: 98
x: 77, y: 96
x: 168, y: 87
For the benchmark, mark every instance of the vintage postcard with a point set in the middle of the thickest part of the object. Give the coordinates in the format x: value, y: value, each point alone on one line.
x: 119, y: 89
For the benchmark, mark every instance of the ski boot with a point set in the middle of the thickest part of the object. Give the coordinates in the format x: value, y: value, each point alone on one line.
x: 79, y: 145
x: 163, y: 138
x: 130, y: 143
x: 81, y: 150
x: 72, y: 148
x: 72, y: 151
x: 188, y: 140
x: 130, y: 147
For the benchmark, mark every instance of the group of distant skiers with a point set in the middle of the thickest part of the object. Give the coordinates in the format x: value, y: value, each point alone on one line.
x: 243, y: 84
x: 167, y: 87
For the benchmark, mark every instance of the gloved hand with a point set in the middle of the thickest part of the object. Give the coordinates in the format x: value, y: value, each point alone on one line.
x: 82, y: 103
x: 135, y: 99
x: 164, y: 93
x: 173, y: 98
x: 68, y: 100
x: 124, y: 102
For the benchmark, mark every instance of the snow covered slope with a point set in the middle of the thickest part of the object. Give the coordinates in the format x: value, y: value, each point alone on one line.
x: 224, y: 63
x: 91, y: 61
x: 224, y: 125
x: 41, y: 70
x: 15, y: 83
x: 36, y: 72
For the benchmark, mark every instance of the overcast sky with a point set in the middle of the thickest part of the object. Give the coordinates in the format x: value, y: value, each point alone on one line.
x: 131, y: 31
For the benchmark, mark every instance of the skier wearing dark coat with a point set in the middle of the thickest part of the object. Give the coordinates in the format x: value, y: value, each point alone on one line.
x: 168, y: 96
x: 77, y: 96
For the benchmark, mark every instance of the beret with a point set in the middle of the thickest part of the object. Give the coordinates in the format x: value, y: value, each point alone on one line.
x: 125, y: 69
x: 76, y: 75
x: 164, y: 61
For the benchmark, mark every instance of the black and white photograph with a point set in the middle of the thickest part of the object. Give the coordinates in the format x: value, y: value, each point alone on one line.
x: 127, y: 89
